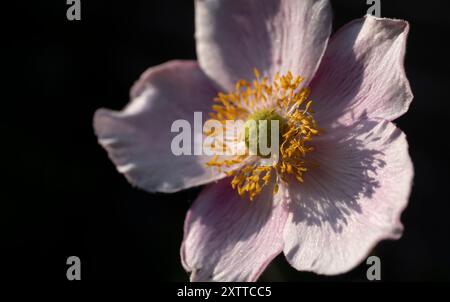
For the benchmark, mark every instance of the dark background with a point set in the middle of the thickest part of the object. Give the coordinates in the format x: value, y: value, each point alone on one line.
x: 61, y: 196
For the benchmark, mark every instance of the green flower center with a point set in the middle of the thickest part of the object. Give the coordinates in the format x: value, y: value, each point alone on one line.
x: 254, y: 128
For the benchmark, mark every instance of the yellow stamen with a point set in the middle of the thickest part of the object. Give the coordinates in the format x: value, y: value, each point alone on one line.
x: 285, y: 97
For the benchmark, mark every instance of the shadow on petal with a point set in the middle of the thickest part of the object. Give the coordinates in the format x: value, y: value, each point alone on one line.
x: 349, y: 171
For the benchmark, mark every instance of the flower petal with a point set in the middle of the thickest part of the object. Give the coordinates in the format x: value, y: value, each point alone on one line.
x: 352, y: 201
x: 235, y: 36
x: 228, y: 238
x: 362, y: 72
x: 138, y: 138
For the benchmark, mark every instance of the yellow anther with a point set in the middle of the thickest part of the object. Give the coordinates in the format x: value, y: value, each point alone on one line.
x: 285, y: 96
x: 256, y: 72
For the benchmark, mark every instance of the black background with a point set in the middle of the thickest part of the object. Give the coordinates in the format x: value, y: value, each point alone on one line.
x: 61, y: 196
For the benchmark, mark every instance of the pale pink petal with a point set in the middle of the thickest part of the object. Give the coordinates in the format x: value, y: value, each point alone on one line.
x: 362, y: 72
x: 227, y: 238
x: 352, y: 201
x: 138, y: 138
x: 235, y: 36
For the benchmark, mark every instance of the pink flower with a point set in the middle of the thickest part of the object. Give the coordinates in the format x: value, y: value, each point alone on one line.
x: 344, y: 174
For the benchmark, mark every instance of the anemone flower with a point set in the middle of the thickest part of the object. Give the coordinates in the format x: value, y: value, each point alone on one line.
x: 343, y: 175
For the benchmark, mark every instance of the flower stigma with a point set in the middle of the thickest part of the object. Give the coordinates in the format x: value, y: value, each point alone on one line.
x: 260, y: 123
